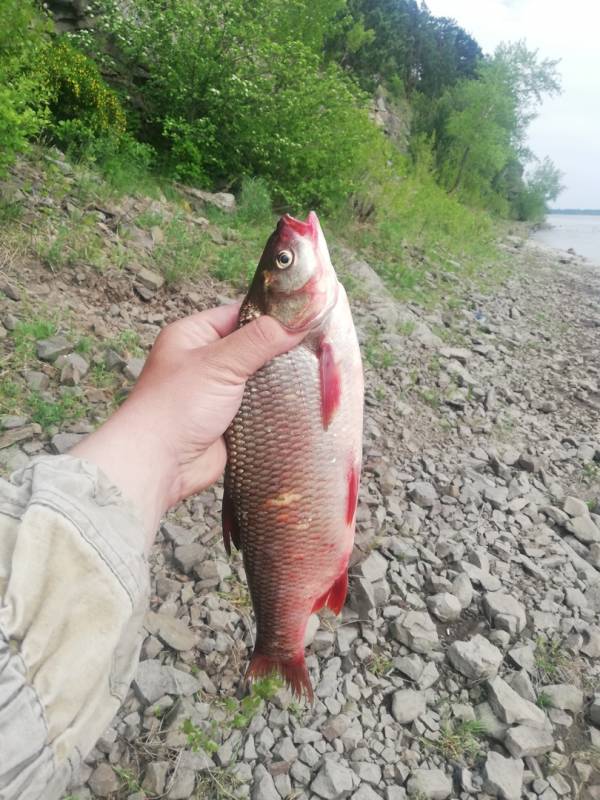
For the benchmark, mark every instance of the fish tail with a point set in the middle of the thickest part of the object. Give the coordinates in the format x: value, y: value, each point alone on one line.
x: 293, y: 671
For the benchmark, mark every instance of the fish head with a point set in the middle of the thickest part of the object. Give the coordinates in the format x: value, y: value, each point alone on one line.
x: 295, y: 281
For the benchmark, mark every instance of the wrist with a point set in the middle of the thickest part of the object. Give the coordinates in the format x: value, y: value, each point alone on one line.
x: 131, y: 449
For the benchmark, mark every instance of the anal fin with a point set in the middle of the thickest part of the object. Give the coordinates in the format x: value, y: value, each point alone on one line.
x: 335, y: 597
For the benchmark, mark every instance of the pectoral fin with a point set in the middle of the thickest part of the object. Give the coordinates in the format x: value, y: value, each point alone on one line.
x: 330, y: 379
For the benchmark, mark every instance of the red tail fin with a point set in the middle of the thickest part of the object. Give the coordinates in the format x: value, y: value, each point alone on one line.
x: 293, y: 671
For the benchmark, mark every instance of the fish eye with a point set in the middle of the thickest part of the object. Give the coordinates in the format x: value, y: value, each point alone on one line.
x: 284, y: 259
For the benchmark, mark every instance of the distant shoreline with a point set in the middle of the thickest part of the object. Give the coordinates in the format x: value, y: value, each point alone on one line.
x: 591, y: 212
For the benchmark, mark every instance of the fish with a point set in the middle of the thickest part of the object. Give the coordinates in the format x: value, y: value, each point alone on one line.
x: 294, y: 452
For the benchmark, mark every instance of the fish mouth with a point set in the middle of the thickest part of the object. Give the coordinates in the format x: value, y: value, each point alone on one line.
x: 308, y: 228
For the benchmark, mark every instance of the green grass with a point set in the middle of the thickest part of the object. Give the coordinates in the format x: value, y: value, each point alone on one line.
x: 550, y: 659
x: 55, y: 413
x: 27, y: 333
x: 379, y: 665
x: 543, y: 700
x: 125, y: 343
x: 378, y: 356
x: 459, y: 741
x: 183, y: 253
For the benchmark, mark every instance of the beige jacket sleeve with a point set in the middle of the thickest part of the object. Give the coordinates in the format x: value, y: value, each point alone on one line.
x: 73, y: 594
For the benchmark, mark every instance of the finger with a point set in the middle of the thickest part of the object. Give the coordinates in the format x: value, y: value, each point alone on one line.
x: 248, y: 349
x: 208, y: 326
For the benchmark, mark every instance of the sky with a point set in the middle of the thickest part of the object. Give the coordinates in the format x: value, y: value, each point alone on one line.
x: 568, y: 126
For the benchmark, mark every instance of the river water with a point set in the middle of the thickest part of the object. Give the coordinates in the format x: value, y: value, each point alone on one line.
x: 579, y: 231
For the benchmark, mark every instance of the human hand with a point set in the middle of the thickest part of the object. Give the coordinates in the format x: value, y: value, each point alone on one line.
x: 166, y: 441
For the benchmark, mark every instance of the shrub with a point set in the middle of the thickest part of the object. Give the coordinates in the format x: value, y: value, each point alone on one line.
x: 22, y: 93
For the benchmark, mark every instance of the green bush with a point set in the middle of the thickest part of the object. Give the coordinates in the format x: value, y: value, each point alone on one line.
x: 254, y: 201
x: 23, y: 110
x: 230, y: 90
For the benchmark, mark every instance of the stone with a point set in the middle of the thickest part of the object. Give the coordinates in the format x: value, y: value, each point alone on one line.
x: 104, y: 781
x: 496, y: 496
x: 584, y: 529
x: 503, y: 777
x: 595, y: 709
x: 362, y: 597
x: 505, y: 612
x: 188, y: 555
x: 423, y: 494
x: 173, y: 632
x: 432, y: 784
x: 494, y: 727
x: 50, y: 349
x: 522, y: 741
x: 63, y: 442
x: 153, y: 680
x: 476, y: 658
x: 333, y: 780
x: 373, y: 568
x: 183, y: 784
x: 575, y: 507
x: 417, y: 631
x: 445, y: 606
x: 150, y: 279
x: 462, y: 588
x: 11, y: 292
x: 37, y: 381
x: 365, y: 792
x: 225, y: 201
x: 564, y: 696
x: 133, y: 368
x: 512, y: 708
x: 155, y: 777
x: 11, y: 421
x: 263, y: 787
x: 408, y: 705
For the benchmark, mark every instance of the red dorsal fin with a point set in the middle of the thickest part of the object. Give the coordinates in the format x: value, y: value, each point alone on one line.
x: 331, y: 385
x: 293, y: 671
x: 335, y: 597
x: 231, y: 532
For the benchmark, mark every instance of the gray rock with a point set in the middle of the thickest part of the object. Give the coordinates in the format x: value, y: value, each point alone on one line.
x: 37, y: 381
x: 496, y: 496
x: 521, y: 683
x: 173, y: 632
x: 595, y: 709
x: 365, y: 792
x: 505, y: 612
x: 104, y: 781
x: 133, y: 368
x: 408, y: 705
x: 432, y: 784
x: 512, y: 708
x: 333, y: 780
x: 425, y: 336
x: 150, y: 279
x: 10, y: 421
x: 373, y: 568
x: 63, y: 442
x: 153, y: 680
x: 263, y: 787
x: 156, y: 777
x: 522, y: 741
x: 183, y: 784
x: 424, y: 494
x: 188, y: 555
x: 503, y: 777
x: 575, y: 507
x: 485, y: 579
x: 417, y: 631
x: 564, y: 696
x: 225, y: 201
x: 395, y: 793
x: 494, y: 727
x: 445, y: 606
x: 50, y: 349
x: 584, y: 529
x: 462, y: 588
x: 362, y: 597
x: 476, y: 658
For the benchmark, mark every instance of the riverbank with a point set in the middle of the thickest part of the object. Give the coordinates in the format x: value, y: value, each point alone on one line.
x: 467, y: 659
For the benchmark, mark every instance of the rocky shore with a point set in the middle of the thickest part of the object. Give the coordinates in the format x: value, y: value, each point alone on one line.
x: 466, y: 663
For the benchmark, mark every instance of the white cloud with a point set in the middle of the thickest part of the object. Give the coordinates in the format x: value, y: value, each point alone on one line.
x: 568, y: 127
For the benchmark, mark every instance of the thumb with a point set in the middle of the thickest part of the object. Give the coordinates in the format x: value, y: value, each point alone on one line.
x: 249, y: 348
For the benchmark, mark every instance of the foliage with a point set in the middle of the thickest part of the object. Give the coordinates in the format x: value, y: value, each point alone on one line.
x: 238, y: 95
x: 54, y: 413
x: 550, y: 659
x: 22, y: 93
x: 460, y: 740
